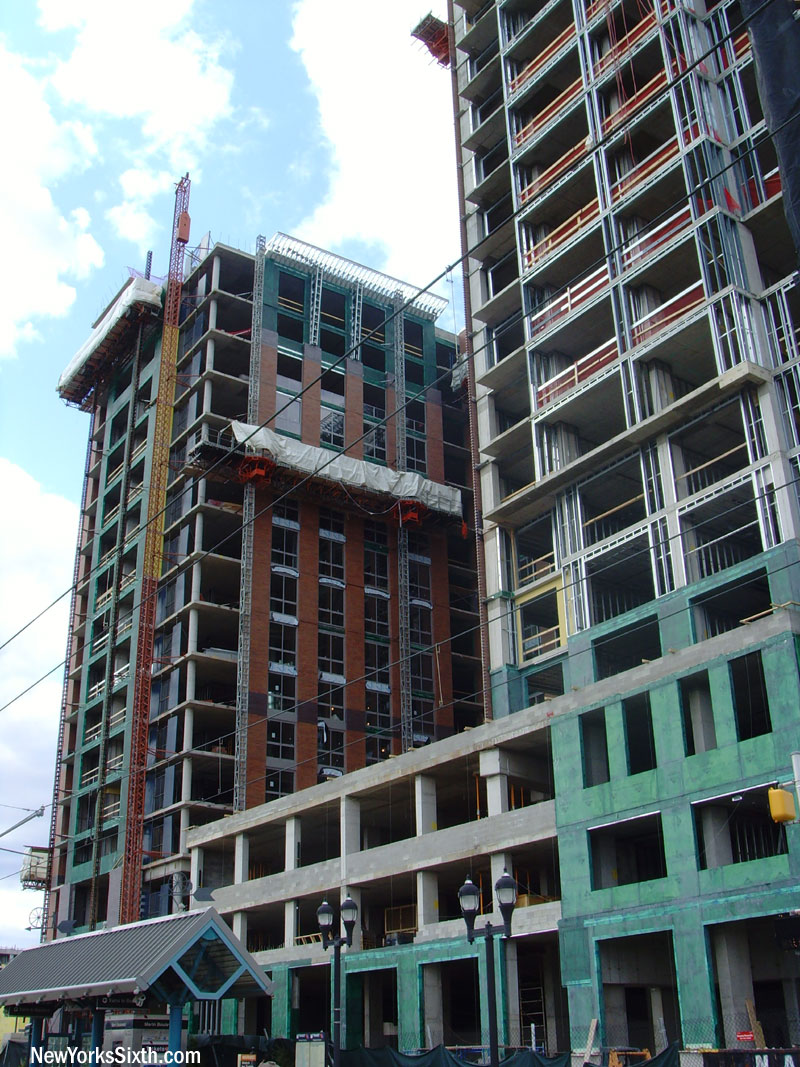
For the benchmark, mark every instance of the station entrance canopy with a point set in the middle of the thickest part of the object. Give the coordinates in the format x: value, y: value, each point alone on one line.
x: 172, y: 960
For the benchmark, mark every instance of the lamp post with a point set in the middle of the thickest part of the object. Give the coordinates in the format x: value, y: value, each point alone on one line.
x: 505, y: 893
x: 348, y: 912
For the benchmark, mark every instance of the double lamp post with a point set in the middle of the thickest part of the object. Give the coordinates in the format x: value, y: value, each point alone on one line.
x: 469, y: 898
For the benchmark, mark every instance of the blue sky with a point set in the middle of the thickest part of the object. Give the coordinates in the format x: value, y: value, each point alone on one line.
x: 326, y: 121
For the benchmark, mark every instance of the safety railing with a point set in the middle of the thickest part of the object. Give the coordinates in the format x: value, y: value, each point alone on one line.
x: 531, y: 570
x: 580, y: 371
x: 654, y: 322
x: 642, y: 247
x: 562, y: 233
x: 635, y: 101
x: 547, y: 53
x: 547, y: 114
x: 544, y: 640
x: 554, y: 171
x: 625, y: 44
x: 569, y: 300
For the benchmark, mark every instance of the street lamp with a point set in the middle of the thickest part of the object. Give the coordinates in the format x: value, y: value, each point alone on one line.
x: 469, y: 898
x: 348, y: 912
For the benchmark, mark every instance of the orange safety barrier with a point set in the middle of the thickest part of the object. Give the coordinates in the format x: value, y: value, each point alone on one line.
x: 567, y: 34
x: 615, y: 54
x: 562, y: 233
x: 641, y: 247
x: 561, y: 102
x: 561, y: 306
x: 670, y: 312
x: 580, y: 371
x: 555, y: 170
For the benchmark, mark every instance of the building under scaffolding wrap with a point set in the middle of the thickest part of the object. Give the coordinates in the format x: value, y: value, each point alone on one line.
x: 304, y: 490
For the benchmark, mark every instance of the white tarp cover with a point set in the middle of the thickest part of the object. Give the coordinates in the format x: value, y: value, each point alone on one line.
x: 404, y: 485
x: 138, y: 291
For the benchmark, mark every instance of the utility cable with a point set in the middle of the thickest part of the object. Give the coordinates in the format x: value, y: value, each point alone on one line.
x: 471, y: 253
x: 509, y: 613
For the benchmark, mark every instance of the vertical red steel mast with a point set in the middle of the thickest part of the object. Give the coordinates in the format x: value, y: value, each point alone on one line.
x: 131, y: 890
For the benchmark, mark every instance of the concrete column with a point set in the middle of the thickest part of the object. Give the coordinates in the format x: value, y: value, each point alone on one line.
x: 508, y: 1015
x: 497, y: 794
x: 552, y: 992
x: 716, y: 838
x: 657, y: 1015
x: 355, y: 894
x: 293, y: 839
x: 289, y: 923
x: 210, y: 354
x: 735, y: 977
x: 425, y: 804
x: 240, y: 926
x: 196, y: 871
x: 186, y: 780
x: 216, y: 263
x: 427, y: 898
x: 349, y: 830
x: 188, y: 727
x: 207, y: 396
x: 212, y: 314
x: 432, y: 1005
x: 702, y: 718
x: 615, y: 1015
x: 241, y: 859
x: 191, y: 635
x: 500, y: 861
x: 186, y: 796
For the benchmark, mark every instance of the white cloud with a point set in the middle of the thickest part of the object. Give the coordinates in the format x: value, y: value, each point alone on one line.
x: 49, y: 246
x: 153, y: 67
x: 386, y: 112
x: 131, y: 218
x: 38, y: 534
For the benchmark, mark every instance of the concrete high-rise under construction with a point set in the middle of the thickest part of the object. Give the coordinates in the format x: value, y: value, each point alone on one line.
x: 314, y: 608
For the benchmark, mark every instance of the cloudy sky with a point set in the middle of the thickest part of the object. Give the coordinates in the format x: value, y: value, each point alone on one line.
x: 326, y: 121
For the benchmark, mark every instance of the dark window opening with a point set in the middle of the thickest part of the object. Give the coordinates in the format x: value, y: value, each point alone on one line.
x: 333, y: 343
x: 737, y: 828
x: 627, y: 648
x: 729, y: 606
x: 412, y: 336
x: 373, y: 321
x: 374, y: 358
x: 291, y: 292
x: 628, y: 852
x: 750, y: 703
x: 415, y: 372
x: 291, y: 329
x: 639, y: 738
x: 594, y: 746
x: 332, y: 308
x: 545, y: 684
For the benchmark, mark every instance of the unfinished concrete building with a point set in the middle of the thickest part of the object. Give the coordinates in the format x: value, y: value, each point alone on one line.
x: 634, y: 328
x: 311, y: 572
